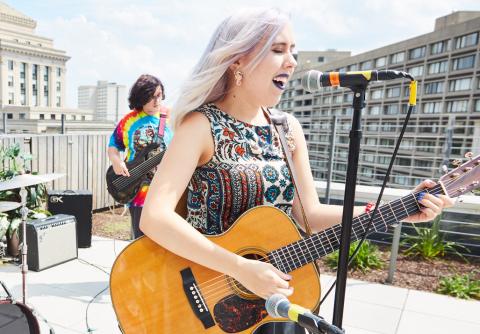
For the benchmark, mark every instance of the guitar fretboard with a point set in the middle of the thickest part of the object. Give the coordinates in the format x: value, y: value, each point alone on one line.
x: 311, y: 248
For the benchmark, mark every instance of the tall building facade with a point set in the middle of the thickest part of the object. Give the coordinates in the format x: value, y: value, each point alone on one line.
x: 32, y: 71
x: 446, y: 122
x: 108, y: 100
x: 33, y: 81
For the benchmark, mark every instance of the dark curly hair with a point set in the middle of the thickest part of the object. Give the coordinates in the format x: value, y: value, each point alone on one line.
x: 142, y: 91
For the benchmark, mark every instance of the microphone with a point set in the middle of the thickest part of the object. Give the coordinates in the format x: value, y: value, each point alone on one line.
x: 314, y: 80
x: 278, y: 306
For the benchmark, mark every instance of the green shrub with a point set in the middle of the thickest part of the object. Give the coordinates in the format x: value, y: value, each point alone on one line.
x: 367, y: 258
x: 429, y: 243
x: 460, y: 286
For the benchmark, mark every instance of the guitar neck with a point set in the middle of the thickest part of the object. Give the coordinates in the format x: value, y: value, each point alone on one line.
x: 311, y: 248
x: 143, y: 168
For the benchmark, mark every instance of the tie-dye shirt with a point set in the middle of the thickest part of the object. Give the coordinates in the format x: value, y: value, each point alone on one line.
x: 135, y: 131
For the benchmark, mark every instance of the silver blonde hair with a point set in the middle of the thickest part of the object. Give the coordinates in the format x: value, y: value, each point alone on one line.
x: 236, y: 36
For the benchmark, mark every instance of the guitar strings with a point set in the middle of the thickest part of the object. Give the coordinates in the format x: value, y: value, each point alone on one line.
x: 123, y: 181
x: 218, y: 291
x: 207, y: 285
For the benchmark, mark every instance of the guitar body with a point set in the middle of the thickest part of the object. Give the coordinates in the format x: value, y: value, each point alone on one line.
x: 124, y: 189
x: 148, y: 291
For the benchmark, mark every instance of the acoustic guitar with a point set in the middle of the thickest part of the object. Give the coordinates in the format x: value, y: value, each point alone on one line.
x: 156, y: 291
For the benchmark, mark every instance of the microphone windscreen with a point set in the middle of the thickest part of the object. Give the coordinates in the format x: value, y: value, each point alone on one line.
x: 271, y: 305
x: 311, y: 81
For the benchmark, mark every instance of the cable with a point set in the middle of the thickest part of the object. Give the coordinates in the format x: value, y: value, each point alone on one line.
x: 385, y: 180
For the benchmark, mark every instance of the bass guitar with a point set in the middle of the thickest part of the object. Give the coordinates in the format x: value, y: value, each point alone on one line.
x: 124, y: 188
x: 156, y: 291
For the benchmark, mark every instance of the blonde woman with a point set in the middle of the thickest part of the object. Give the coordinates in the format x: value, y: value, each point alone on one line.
x: 226, y: 152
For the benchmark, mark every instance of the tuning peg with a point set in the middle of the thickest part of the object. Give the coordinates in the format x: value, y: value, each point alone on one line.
x: 444, y: 169
x: 469, y: 155
x: 456, y: 162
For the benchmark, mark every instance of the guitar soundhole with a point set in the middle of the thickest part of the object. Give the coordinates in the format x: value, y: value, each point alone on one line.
x: 238, y: 288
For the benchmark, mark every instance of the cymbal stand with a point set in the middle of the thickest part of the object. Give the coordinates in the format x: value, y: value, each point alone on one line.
x: 24, y: 212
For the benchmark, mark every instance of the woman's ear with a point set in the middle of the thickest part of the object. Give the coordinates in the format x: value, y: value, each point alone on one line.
x: 235, y: 66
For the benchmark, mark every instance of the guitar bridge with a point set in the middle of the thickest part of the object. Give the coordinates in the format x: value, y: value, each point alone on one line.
x: 195, y: 298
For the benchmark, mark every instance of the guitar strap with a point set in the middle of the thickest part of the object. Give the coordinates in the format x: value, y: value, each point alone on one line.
x: 279, y: 120
x: 161, y: 124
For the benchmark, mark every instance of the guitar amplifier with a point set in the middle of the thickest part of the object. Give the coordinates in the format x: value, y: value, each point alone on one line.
x: 77, y: 203
x: 51, y: 241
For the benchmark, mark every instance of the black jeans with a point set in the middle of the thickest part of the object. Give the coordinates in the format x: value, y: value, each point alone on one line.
x: 135, y: 213
x: 280, y: 328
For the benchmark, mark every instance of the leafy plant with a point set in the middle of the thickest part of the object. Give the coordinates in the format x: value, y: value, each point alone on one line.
x: 429, y: 243
x: 460, y: 286
x: 14, y: 161
x: 367, y: 258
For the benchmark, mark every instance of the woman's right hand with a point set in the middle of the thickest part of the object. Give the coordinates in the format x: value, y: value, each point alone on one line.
x: 120, y: 168
x: 263, y: 279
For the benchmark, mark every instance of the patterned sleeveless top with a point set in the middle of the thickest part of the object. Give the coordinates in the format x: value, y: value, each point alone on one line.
x: 247, y: 169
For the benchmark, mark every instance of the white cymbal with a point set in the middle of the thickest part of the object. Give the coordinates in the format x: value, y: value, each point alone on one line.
x: 27, y: 180
x: 7, y: 206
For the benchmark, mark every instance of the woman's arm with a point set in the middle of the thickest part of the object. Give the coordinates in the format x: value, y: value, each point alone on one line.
x: 321, y: 216
x: 192, y: 145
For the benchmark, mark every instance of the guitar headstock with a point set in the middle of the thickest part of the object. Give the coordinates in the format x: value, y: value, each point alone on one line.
x: 464, y: 178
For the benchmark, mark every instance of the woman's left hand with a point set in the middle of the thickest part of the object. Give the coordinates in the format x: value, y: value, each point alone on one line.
x: 432, y: 205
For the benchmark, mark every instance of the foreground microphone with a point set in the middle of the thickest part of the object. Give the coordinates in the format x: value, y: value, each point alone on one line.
x: 314, y: 80
x: 278, y: 306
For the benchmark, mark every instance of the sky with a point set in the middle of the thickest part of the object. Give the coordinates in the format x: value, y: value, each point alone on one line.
x: 117, y: 40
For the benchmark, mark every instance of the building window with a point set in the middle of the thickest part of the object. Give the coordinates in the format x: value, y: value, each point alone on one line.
x: 466, y: 40
x: 353, y: 67
x: 327, y: 100
x: 10, y: 65
x: 10, y: 81
x: 417, y: 53
x: 393, y: 92
x: 59, y: 72
x: 337, y: 99
x: 21, y: 115
x: 42, y: 116
x: 459, y: 84
x: 59, y: 101
x: 382, y: 61
x: 34, y: 71
x: 11, y: 98
x: 477, y: 106
x: 376, y: 94
x: 439, y: 47
x: 397, y: 57
x: 348, y: 97
x: 433, y: 87
x: 9, y: 116
x: 457, y: 106
x: 58, y: 86
x: 438, y: 67
x: 45, y: 75
x: 374, y: 110
x: 83, y: 118
x: 366, y: 65
x: 390, y: 109
x: 463, y: 63
x: 52, y: 116
x: 432, y: 107
x: 416, y: 71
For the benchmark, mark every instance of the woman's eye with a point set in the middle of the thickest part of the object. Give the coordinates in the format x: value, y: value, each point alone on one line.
x: 277, y: 51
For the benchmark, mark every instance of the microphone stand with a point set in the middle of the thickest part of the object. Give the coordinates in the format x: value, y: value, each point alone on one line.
x: 349, y: 202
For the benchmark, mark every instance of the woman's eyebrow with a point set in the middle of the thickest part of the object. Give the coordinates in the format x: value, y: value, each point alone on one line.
x: 292, y: 46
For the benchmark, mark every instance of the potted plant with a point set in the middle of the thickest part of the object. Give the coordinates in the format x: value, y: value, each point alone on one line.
x: 14, y: 163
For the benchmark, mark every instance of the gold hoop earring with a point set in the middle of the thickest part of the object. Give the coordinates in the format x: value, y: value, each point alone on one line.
x: 238, y: 77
